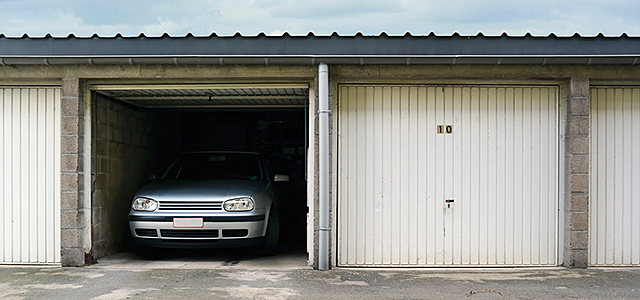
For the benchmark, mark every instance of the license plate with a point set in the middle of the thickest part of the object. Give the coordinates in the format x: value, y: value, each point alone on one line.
x: 188, y: 223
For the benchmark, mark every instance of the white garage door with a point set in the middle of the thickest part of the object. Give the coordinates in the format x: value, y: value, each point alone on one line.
x: 447, y: 175
x: 30, y: 175
x: 615, y: 177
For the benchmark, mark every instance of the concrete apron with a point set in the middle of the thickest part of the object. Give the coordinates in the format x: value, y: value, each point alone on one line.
x: 237, y: 275
x: 202, y: 259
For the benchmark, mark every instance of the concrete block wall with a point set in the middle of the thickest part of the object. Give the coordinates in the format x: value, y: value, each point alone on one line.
x: 577, y: 174
x: 72, y: 210
x: 130, y: 146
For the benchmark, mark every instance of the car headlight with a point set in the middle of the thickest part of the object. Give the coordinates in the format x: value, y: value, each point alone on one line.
x: 240, y: 204
x: 145, y: 204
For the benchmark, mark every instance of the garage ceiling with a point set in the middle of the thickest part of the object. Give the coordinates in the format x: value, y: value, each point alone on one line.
x: 207, y: 96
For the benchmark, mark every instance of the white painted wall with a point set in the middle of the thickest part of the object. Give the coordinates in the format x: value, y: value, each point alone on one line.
x: 499, y: 164
x: 29, y: 175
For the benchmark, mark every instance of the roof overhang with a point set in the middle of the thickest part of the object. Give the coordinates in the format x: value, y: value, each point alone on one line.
x: 337, y: 59
x: 311, y: 50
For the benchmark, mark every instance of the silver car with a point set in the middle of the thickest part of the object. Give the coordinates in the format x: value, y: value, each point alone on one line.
x: 207, y: 200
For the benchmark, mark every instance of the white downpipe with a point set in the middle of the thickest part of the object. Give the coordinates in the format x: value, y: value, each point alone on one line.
x: 323, y: 150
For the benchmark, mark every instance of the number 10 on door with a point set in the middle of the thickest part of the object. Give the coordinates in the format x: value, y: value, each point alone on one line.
x: 445, y: 129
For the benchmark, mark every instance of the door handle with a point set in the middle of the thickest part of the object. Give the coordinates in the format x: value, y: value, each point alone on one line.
x: 448, y: 202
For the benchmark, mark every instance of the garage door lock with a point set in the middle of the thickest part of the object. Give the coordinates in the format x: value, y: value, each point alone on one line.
x: 448, y: 202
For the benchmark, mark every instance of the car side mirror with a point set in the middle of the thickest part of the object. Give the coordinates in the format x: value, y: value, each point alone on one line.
x: 281, y: 177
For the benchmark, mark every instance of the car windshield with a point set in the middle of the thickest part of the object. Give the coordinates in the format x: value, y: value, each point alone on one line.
x: 214, y: 166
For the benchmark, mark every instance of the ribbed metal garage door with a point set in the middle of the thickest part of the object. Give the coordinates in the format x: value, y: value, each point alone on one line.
x: 615, y: 177
x: 447, y: 175
x: 30, y: 175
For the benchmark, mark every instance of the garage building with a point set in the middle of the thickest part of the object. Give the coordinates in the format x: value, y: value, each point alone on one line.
x: 404, y: 151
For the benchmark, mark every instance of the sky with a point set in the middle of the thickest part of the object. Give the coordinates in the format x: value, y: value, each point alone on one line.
x: 60, y: 18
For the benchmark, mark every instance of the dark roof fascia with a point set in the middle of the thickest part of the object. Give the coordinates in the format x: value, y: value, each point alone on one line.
x: 314, y: 49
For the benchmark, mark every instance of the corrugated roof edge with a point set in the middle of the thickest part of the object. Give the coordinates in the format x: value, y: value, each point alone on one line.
x: 383, y: 34
x: 313, y: 49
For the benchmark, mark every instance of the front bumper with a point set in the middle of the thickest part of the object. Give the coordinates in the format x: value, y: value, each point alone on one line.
x: 217, y: 232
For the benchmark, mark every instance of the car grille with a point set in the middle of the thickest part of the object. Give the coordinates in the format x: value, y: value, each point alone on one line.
x: 172, y: 241
x: 183, y: 233
x: 190, y: 205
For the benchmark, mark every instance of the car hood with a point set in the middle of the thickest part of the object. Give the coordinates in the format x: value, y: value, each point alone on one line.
x: 203, y: 190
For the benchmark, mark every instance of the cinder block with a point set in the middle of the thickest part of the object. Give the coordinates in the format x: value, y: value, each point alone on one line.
x: 97, y: 199
x: 97, y: 215
x: 579, y: 164
x: 579, y: 221
x: 136, y: 139
x: 103, y: 165
x: 577, y: 259
x: 69, y: 163
x: 99, y: 248
x: 71, y: 87
x: 113, y: 150
x: 121, y: 150
x: 578, y: 125
x: 70, y: 238
x: 111, y: 181
x: 69, y: 219
x: 579, y: 240
x: 113, y: 118
x: 103, y: 131
x: 131, y: 122
x: 101, y: 182
x: 578, y: 202
x: 95, y: 233
x: 578, y: 144
x: 126, y: 137
x: 69, y: 125
x: 69, y: 144
x: 103, y: 147
x: 72, y: 257
x: 579, y: 183
x: 113, y: 166
x: 117, y: 135
x: 581, y: 259
x: 69, y: 200
x: 102, y: 114
x: 70, y: 106
x: 69, y: 181
x: 578, y: 87
x: 139, y: 126
x: 578, y: 107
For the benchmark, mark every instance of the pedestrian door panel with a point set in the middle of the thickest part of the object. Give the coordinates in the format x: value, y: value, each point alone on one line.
x: 447, y: 175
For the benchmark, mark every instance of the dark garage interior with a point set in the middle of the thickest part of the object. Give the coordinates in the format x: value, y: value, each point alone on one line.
x: 132, y: 141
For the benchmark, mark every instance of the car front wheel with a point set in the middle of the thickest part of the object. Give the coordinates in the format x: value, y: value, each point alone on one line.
x: 272, y: 235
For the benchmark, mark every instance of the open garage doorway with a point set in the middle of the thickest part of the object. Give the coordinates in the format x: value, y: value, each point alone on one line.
x: 139, y: 129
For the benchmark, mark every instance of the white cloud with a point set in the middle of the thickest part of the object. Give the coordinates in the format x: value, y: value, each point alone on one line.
x: 273, y: 17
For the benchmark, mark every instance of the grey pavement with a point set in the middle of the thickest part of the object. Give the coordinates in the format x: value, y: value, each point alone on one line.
x: 238, y: 275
